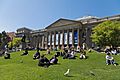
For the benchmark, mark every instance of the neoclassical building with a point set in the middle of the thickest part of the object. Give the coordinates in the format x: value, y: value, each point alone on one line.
x: 68, y: 33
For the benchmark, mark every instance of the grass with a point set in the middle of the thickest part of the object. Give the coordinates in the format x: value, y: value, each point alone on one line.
x: 14, y: 69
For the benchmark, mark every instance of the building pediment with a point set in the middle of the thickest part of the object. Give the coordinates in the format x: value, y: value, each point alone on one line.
x: 61, y: 22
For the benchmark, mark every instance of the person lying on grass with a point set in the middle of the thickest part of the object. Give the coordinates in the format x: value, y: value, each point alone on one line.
x: 43, y: 62
x: 110, y: 59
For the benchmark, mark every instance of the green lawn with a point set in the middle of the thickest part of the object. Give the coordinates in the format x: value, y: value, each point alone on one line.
x: 13, y: 69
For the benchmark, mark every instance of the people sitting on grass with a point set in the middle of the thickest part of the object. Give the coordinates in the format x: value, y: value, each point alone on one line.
x: 25, y: 53
x: 66, y: 55
x: 114, y: 51
x: 36, y: 55
x: 72, y: 55
x: 83, y: 54
x: 6, y: 55
x: 69, y: 55
x: 54, y: 60
x: 43, y: 62
x: 78, y: 49
x: 110, y: 59
x: 62, y: 52
x: 57, y: 54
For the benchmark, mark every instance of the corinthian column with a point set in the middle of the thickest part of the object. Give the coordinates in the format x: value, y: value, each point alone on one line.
x: 50, y: 40
x: 78, y: 31
x: 43, y: 39
x: 54, y: 39
x: 67, y: 38
x: 59, y: 40
x: 63, y: 39
x: 47, y: 41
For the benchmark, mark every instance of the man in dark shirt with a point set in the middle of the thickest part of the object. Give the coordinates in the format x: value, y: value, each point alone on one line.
x: 44, y: 62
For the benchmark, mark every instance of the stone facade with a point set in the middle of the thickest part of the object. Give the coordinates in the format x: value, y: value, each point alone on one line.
x: 67, y: 33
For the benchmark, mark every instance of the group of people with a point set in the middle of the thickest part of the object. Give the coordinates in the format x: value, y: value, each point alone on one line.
x: 109, y: 59
x: 112, y: 51
x: 43, y: 61
x: 71, y: 53
x: 66, y: 54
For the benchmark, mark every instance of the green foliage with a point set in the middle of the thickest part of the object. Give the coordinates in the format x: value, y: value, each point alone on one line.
x: 107, y: 34
x: 0, y: 38
x: 4, y: 39
x: 15, y: 42
x: 14, y: 69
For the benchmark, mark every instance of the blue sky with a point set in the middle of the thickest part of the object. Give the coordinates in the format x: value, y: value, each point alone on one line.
x: 37, y: 14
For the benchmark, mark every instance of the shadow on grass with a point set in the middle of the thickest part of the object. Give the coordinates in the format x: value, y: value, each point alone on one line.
x: 56, y: 64
x: 70, y: 76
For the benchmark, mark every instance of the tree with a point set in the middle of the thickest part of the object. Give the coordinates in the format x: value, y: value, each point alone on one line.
x: 0, y: 38
x: 107, y: 34
x: 15, y: 42
x: 4, y: 39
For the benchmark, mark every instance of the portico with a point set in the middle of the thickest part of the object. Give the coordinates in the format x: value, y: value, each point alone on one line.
x: 64, y: 33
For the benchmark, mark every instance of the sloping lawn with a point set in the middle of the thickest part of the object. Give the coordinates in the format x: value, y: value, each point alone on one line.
x: 15, y: 69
